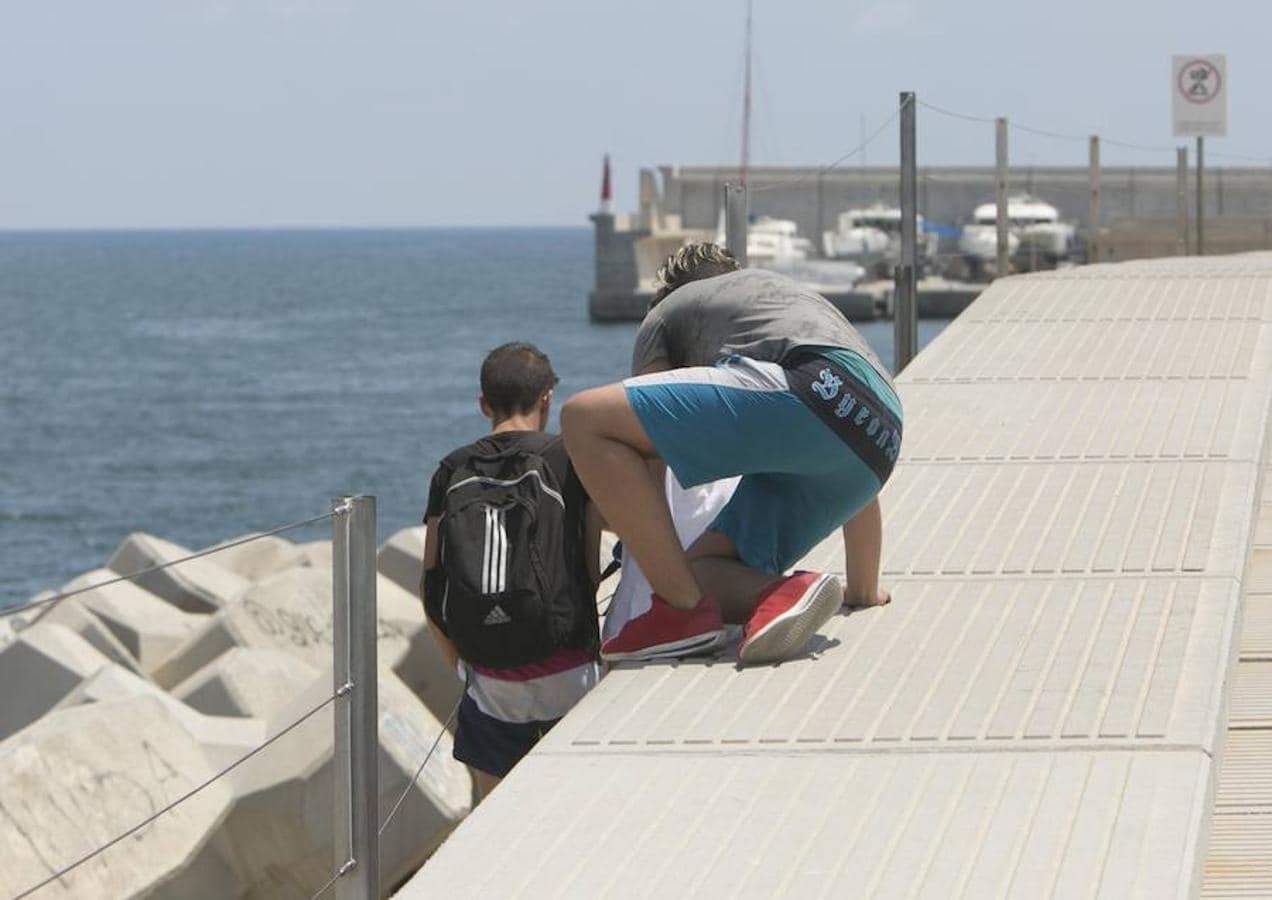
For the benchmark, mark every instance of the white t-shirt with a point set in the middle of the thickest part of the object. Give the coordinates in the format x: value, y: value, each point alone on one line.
x: 692, y: 510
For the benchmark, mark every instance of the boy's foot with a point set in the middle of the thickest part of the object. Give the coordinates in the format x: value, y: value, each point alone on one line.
x: 788, y: 616
x: 665, y: 631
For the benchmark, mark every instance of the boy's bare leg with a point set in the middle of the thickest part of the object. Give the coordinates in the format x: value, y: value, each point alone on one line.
x: 863, y: 545
x: 609, y: 449
x: 485, y: 783
x: 734, y: 584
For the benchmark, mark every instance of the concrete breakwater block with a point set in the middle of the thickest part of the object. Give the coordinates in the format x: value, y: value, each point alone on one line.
x: 401, y: 559
x: 150, y: 628
x: 40, y: 666
x: 197, y: 586
x: 259, y: 558
x: 246, y: 681
x: 223, y: 739
x: 83, y: 775
x: 316, y: 554
x: 292, y: 613
x: 73, y: 614
x: 278, y: 835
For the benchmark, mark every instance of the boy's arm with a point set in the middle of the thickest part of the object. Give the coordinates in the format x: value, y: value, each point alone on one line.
x: 593, y: 522
x: 863, y: 545
x: 445, y: 644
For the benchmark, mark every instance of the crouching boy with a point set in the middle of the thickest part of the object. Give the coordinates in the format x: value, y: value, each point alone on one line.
x: 509, y: 570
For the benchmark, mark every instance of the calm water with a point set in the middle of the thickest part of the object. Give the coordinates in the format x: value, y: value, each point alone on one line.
x: 202, y: 385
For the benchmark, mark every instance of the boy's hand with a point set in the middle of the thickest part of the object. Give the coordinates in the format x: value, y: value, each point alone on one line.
x: 881, y: 598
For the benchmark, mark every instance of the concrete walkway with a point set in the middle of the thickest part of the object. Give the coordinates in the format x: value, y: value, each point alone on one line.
x: 1041, y: 710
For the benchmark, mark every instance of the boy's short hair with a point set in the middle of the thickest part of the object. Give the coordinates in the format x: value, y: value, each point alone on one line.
x: 514, y: 376
x: 692, y: 262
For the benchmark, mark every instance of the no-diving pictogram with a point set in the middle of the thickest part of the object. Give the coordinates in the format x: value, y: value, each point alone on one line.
x: 1199, y: 81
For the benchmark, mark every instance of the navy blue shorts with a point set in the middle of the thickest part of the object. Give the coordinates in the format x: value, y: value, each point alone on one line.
x: 493, y: 745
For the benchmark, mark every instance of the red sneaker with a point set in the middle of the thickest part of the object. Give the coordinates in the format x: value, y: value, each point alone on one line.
x: 666, y: 631
x: 788, y: 616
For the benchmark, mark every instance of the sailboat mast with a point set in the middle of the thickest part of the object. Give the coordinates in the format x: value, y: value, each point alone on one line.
x: 746, y: 100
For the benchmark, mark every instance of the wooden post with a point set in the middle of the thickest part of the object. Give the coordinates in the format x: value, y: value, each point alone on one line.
x: 1201, y: 211
x: 735, y: 221
x: 1093, y: 202
x: 1000, y: 193
x: 1181, y: 200
x: 905, y: 300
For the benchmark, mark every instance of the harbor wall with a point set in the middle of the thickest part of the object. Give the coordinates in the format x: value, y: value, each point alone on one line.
x: 948, y: 194
x: 1139, y: 217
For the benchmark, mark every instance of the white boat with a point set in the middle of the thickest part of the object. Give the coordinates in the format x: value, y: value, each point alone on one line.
x: 775, y: 240
x: 1040, y: 229
x: 872, y: 236
x: 770, y: 240
x: 862, y: 233
x: 1033, y: 226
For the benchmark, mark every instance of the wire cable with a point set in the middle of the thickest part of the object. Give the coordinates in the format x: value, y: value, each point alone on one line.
x: 1129, y: 145
x: 956, y: 115
x: 427, y: 756
x: 838, y: 162
x: 1062, y: 136
x: 347, y: 867
x: 58, y: 598
x: 1246, y: 157
x: 1059, y: 136
x: 182, y: 799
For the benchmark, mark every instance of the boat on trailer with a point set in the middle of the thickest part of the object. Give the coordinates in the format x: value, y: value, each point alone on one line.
x: 871, y: 236
x: 1034, y: 229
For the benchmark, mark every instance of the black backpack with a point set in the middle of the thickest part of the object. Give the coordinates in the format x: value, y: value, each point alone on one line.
x: 503, y: 590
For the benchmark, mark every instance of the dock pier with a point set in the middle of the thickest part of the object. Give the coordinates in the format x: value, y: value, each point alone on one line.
x: 1068, y: 696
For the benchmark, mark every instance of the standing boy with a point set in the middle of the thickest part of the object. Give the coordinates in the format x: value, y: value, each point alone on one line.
x: 741, y: 373
x: 509, y: 570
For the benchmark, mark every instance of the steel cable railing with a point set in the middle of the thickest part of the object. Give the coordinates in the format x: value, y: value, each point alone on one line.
x: 345, y: 869
x: 345, y: 689
x: 349, y: 865
x: 184, y: 797
x: 427, y: 756
x: 141, y: 573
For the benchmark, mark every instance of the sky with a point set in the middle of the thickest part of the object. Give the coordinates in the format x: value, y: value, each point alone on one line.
x: 366, y: 113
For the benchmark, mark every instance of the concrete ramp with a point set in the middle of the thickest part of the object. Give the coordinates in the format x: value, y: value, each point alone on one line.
x: 1043, y: 708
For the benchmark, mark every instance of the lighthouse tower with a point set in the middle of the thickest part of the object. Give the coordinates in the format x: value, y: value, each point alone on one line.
x: 614, y: 289
x: 607, y: 190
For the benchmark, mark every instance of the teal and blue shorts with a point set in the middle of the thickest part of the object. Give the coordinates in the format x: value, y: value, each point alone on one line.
x: 814, y: 440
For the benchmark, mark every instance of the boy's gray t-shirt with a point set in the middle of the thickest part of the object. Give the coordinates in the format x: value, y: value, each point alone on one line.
x: 752, y: 313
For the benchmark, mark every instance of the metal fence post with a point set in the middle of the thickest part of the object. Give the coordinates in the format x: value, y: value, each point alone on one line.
x: 355, y: 766
x: 735, y: 221
x: 1000, y: 194
x: 905, y: 303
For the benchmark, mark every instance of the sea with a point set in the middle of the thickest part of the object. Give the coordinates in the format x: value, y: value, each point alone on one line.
x: 201, y: 385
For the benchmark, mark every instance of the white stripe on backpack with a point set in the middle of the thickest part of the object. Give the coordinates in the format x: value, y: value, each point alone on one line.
x: 487, y: 551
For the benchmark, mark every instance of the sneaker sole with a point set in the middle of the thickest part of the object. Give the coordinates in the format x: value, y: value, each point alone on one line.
x: 783, y: 637
x: 708, y: 647
x: 683, y: 647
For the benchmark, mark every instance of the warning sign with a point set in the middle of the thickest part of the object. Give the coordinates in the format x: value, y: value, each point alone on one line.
x: 1199, y: 95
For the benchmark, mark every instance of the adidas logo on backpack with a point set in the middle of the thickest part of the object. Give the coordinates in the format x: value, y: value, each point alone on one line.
x: 496, y: 617
x: 502, y: 556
